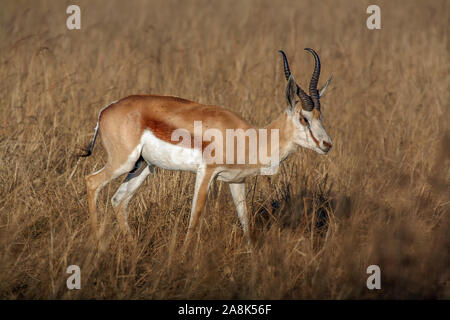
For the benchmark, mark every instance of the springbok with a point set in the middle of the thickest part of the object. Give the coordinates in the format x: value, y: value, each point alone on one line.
x: 137, y: 133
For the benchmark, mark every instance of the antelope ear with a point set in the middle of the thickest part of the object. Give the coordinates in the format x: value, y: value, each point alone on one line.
x: 324, y: 88
x: 291, y: 93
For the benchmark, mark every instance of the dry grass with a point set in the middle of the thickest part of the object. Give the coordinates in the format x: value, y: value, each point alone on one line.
x: 380, y: 197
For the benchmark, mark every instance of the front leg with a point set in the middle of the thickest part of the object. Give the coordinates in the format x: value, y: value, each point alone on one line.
x: 202, y: 183
x: 238, y: 193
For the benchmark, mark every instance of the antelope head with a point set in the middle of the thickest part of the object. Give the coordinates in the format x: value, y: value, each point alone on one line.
x: 309, y: 131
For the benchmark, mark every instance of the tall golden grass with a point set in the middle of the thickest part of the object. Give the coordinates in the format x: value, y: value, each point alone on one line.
x: 380, y: 196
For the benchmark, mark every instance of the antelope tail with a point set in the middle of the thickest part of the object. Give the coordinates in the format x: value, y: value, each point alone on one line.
x: 91, y: 147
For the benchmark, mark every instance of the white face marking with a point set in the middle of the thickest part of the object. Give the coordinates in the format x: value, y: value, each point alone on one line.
x: 302, y: 135
x: 169, y: 156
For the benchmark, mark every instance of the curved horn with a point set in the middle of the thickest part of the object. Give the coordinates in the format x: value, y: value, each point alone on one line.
x: 307, y: 103
x: 324, y: 88
x: 313, y: 92
x: 287, y: 71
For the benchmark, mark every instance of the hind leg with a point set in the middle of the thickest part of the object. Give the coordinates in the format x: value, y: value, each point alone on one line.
x: 96, y: 181
x: 202, y: 182
x: 126, y: 191
x: 238, y: 193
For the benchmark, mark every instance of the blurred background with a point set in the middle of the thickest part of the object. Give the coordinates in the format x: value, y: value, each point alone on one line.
x: 379, y: 198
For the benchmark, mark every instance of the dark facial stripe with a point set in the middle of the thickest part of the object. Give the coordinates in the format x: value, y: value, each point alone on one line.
x: 314, y: 138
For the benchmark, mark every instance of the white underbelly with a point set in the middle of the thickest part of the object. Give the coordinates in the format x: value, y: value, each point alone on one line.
x: 167, y: 155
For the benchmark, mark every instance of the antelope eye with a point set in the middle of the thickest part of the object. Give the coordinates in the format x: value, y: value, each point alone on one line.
x: 304, y: 121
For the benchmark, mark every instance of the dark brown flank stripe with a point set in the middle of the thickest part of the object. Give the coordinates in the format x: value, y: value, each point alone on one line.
x: 163, y: 131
